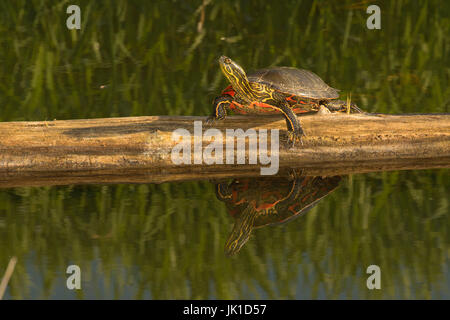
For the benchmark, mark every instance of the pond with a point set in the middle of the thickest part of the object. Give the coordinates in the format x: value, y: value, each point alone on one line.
x: 296, y: 237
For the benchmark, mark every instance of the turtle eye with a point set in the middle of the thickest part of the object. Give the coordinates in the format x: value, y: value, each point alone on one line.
x: 227, y: 60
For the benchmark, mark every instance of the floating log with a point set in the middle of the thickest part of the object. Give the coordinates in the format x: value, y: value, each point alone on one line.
x: 138, y: 149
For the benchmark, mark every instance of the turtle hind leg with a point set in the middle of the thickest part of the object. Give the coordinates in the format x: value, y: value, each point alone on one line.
x: 341, y: 106
x: 355, y: 109
x: 221, y: 104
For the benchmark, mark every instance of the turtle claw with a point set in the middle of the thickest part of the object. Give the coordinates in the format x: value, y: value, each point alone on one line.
x: 294, y: 136
x: 295, y: 174
x: 211, y: 120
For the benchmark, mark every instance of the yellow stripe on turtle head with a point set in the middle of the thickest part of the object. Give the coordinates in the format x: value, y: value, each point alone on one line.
x: 237, y: 76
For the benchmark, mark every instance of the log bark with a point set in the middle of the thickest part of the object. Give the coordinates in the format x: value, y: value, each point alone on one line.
x: 138, y: 149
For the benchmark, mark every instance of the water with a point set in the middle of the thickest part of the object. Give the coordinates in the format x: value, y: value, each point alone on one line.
x: 167, y: 241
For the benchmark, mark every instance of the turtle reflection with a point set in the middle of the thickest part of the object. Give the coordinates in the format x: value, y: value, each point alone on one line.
x: 257, y: 202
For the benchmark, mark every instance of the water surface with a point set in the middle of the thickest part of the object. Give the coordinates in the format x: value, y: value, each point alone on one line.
x: 134, y: 58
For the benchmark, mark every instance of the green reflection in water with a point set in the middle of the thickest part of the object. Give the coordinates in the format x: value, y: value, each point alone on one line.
x: 166, y: 241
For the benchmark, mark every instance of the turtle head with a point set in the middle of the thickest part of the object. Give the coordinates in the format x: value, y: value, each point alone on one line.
x: 242, y: 230
x: 235, y: 74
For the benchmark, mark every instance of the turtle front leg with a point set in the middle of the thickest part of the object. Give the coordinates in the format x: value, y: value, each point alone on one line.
x: 221, y: 104
x: 295, y: 131
x: 223, y: 192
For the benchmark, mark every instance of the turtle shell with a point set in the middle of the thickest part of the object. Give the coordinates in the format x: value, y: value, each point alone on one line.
x: 294, y: 81
x: 266, y: 196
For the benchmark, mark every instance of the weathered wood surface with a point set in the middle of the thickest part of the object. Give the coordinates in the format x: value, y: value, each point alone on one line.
x: 138, y: 149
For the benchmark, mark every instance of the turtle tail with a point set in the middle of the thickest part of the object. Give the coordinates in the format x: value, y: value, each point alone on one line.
x: 355, y: 109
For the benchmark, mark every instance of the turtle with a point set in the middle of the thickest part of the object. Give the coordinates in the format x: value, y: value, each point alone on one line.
x: 272, y: 90
x: 258, y: 202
